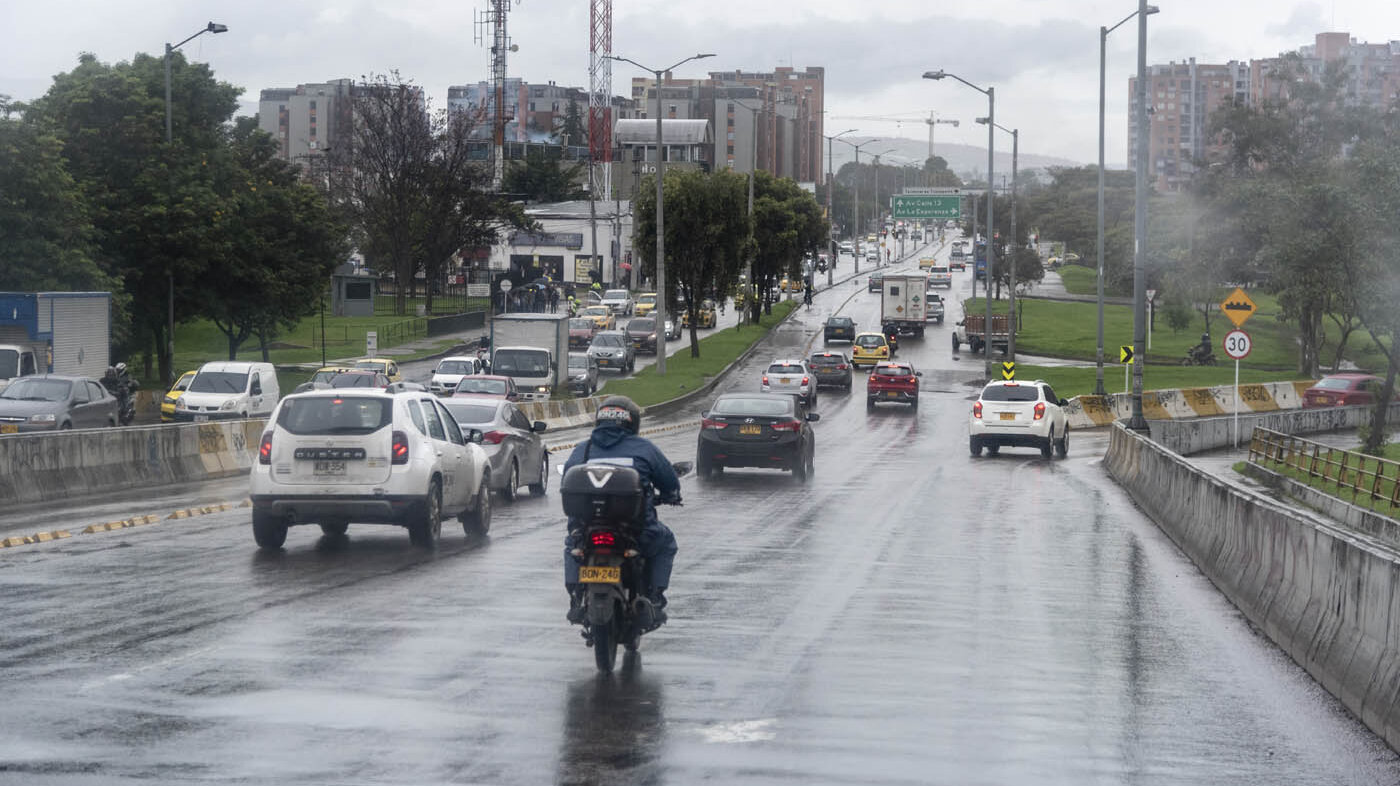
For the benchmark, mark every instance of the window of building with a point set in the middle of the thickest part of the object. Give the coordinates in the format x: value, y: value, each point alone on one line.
x: 313, y: 106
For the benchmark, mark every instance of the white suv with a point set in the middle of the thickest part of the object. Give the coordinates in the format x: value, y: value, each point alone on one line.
x: 1018, y: 414
x: 331, y: 457
x: 620, y: 302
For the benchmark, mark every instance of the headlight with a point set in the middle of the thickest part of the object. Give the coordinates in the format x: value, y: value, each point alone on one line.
x: 227, y: 405
x: 46, y: 418
x: 180, y: 403
x: 542, y: 389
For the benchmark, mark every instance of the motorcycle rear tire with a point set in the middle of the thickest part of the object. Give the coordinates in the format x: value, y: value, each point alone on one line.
x: 605, y: 640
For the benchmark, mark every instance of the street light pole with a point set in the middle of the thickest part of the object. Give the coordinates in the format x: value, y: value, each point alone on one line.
x: 855, y: 194
x: 1103, y: 58
x: 830, y: 187
x: 1137, y: 422
x: 879, y: 208
x: 212, y: 27
x: 990, y: 93
x: 660, y: 209
x: 1015, y: 245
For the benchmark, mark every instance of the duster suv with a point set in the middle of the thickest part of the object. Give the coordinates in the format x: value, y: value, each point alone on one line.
x: 1018, y: 414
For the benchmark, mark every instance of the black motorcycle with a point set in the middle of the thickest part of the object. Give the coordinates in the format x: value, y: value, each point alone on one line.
x: 1198, y: 356
x: 119, y: 383
x: 606, y: 506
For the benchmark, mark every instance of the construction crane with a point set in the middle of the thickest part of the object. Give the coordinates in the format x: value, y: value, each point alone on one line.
x: 931, y: 121
x: 934, y: 120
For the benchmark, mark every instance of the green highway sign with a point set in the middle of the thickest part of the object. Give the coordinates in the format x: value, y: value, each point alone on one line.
x: 923, y: 206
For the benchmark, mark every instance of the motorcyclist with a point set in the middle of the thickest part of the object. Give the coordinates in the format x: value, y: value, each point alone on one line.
x: 613, y: 438
x: 117, y: 380
x: 1202, y: 350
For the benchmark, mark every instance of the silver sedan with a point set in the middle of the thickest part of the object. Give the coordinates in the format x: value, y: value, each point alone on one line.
x: 516, y: 453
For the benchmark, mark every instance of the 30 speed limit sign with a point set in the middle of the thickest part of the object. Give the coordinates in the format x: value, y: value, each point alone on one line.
x: 1238, y: 344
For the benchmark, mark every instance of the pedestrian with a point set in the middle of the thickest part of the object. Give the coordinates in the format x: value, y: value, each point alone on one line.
x: 553, y: 300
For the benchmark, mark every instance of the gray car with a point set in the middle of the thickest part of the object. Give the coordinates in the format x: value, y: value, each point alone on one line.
x: 516, y: 454
x: 583, y: 374
x: 612, y: 350
x: 51, y: 403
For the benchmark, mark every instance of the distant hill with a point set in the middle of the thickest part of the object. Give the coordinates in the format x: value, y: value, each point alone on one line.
x: 969, y: 161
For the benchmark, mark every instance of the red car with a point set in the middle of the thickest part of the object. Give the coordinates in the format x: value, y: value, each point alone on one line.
x: 1340, y: 390
x: 893, y: 381
x: 581, y: 332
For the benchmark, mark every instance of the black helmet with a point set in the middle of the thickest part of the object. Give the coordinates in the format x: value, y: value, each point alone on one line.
x: 620, y: 410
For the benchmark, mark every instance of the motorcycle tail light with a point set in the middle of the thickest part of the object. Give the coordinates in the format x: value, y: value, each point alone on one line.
x: 713, y: 424
x: 1039, y: 410
x: 604, y: 539
x: 788, y: 425
x: 265, y: 449
x: 977, y: 409
x: 399, y: 450
x: 493, y: 437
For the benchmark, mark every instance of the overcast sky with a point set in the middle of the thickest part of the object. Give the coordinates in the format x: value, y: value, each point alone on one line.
x: 1040, y: 55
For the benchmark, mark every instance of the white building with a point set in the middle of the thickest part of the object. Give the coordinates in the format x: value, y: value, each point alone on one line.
x: 563, y: 248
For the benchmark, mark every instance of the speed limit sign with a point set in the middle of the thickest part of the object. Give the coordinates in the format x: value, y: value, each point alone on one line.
x: 1238, y: 344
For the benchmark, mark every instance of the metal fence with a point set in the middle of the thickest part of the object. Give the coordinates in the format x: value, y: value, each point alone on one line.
x: 1368, y: 478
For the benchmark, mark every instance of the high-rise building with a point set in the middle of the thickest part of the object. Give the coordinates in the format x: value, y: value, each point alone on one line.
x: 307, y: 120
x: 1372, y: 70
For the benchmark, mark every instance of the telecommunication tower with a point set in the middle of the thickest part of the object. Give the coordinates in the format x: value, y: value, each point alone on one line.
x: 600, y: 97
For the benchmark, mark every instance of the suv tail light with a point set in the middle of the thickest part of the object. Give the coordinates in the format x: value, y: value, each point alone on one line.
x: 765, y: 379
x: 265, y: 449
x: 493, y: 437
x: 399, y: 450
x: 713, y: 424
x: 1039, y: 410
x: 806, y: 380
x: 841, y: 367
x: 977, y: 409
x: 788, y: 425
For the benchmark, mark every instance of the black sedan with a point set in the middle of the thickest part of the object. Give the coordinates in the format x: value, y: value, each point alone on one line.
x: 767, y: 430
x: 839, y: 329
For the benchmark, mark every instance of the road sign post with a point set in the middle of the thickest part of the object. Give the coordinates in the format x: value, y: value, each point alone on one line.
x: 1237, y: 345
x: 1238, y: 307
x: 1125, y: 356
x: 1008, y: 370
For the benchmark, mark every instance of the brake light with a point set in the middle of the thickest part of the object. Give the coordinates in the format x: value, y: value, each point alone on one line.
x: 1039, y: 410
x: 265, y: 449
x: 977, y: 409
x: 841, y: 367
x: 493, y: 437
x: 806, y: 380
x: 713, y: 424
x: 604, y: 539
x: 765, y: 379
x: 788, y: 425
x: 398, y: 452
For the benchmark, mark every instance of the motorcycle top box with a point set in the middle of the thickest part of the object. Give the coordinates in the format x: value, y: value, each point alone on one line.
x: 603, y: 494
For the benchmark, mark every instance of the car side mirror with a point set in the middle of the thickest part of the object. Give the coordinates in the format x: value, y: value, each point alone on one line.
x: 813, y: 417
x: 1064, y: 402
x: 918, y: 373
x: 474, y: 436
x: 539, y: 426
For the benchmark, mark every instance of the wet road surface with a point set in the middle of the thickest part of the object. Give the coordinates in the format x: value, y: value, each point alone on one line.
x: 910, y: 616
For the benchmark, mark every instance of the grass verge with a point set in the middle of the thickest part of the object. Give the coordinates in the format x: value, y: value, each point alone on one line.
x: 1080, y: 280
x: 685, y: 373
x: 1069, y: 381
x: 1361, y: 471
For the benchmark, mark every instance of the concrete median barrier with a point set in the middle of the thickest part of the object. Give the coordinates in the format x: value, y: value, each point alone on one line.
x: 1186, y: 403
x: 1328, y: 597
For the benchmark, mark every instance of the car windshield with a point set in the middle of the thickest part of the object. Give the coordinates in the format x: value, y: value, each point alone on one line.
x: 219, y: 382
x: 355, y: 381
x: 580, y: 324
x: 334, y: 415
x: 326, y: 376
x: 615, y: 294
x: 647, y: 300
x: 1010, y: 393
x: 870, y: 342
x: 30, y: 389
x: 606, y: 340
x: 762, y: 406
x: 641, y: 326
x: 493, y: 387
x: 597, y: 311
x: 454, y: 367
x: 1334, y: 383
x: 785, y: 368
x: 183, y: 383
x: 469, y: 414
x: 521, y: 362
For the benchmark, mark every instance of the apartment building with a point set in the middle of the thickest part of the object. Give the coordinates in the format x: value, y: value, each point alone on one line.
x: 307, y: 120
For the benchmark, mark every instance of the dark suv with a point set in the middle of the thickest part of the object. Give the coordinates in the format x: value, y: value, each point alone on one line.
x: 876, y: 282
x: 641, y: 332
x: 831, y: 368
x: 839, y: 329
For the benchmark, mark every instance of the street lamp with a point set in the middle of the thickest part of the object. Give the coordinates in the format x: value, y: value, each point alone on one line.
x: 1103, y: 57
x: 212, y: 27
x: 855, y: 194
x: 1015, y: 244
x: 830, y: 187
x: 750, y: 306
x: 1137, y: 422
x: 660, y: 209
x: 990, y: 93
x: 878, y: 211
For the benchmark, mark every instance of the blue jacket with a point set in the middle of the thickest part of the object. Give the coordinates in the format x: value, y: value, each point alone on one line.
x: 610, y: 441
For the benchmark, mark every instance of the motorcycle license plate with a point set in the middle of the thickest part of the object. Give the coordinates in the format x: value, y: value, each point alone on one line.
x: 328, y: 468
x: 750, y: 429
x: 1008, y: 416
x: 9, y: 428
x: 599, y: 574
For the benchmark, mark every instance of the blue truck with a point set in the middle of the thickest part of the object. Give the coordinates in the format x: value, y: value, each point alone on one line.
x: 980, y: 257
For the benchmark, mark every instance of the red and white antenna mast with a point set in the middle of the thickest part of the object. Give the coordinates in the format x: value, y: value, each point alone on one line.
x: 600, y: 97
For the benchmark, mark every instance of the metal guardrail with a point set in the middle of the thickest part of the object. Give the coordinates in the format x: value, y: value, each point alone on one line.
x: 1368, y: 477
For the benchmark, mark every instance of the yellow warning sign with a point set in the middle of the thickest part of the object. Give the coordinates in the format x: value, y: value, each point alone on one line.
x: 1238, y: 307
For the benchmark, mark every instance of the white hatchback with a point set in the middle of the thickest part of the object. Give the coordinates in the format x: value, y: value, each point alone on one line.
x: 332, y: 457
x: 1018, y: 414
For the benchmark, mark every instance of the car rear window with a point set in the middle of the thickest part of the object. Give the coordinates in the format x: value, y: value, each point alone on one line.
x: 1333, y: 383
x: 762, y: 406
x: 840, y: 322
x: 581, y: 324
x: 470, y: 414
x: 785, y: 368
x: 939, y: 269
x: 454, y: 367
x: 354, y: 381
x: 495, y: 387
x: 1010, y: 393
x: 826, y: 360
x: 870, y: 341
x: 893, y: 371
x: 338, y: 415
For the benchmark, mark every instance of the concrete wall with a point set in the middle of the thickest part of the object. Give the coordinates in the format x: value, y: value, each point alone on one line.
x: 1193, y: 436
x: 1091, y: 411
x: 1328, y: 598
x: 55, y: 466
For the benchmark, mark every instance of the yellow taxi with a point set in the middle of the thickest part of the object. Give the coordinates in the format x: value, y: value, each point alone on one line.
x: 794, y: 285
x: 325, y: 374
x: 602, y: 317
x: 927, y: 262
x: 384, y: 366
x: 646, y: 303
x: 705, y: 315
x: 869, y: 349
x: 167, y: 404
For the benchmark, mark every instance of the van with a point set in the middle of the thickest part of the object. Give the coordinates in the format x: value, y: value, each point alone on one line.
x: 227, y: 390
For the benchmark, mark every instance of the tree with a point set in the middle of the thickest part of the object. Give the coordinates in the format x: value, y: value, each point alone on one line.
x: 151, y: 204
x: 572, y: 131
x: 1067, y: 211
x: 46, y: 237
x: 278, y: 243
x: 787, y: 225
x: 416, y: 194
x: 706, y: 230
x: 540, y: 178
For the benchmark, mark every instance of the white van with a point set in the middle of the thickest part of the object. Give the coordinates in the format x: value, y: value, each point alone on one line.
x: 226, y: 390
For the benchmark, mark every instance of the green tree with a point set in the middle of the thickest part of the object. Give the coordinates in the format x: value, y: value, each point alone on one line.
x: 707, y: 227
x: 542, y: 178
x: 572, y: 132
x: 46, y: 238
x: 787, y: 225
x: 151, y: 203
x: 1066, y: 211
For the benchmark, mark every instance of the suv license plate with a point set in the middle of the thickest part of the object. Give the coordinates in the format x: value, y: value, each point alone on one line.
x: 1008, y: 416
x: 595, y: 574
x: 328, y: 468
